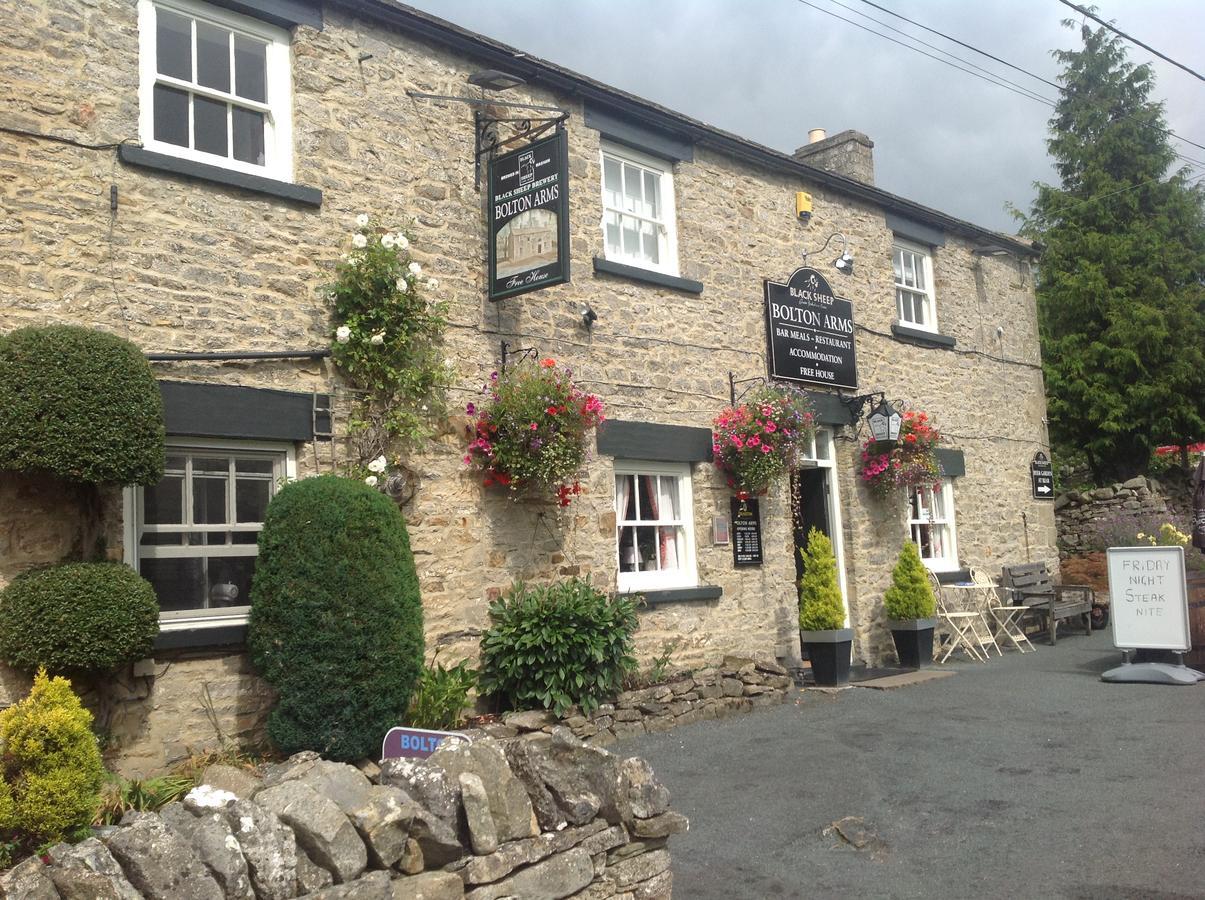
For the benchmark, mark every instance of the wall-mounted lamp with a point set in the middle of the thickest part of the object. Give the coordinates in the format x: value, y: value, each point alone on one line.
x: 494, y: 80
x: 589, y: 316
x: 885, y: 422
x: 843, y: 263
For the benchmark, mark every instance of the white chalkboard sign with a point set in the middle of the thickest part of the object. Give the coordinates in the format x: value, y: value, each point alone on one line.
x: 1148, y: 600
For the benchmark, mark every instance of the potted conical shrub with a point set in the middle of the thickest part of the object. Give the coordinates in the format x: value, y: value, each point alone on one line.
x: 822, y: 613
x: 910, y: 607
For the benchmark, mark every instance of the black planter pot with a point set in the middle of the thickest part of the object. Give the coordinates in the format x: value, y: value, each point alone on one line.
x: 913, y: 641
x: 828, y: 652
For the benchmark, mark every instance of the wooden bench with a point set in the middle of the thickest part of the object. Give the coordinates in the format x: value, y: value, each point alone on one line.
x: 1031, y: 585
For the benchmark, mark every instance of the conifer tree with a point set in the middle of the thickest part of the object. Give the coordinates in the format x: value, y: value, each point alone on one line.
x: 1121, y: 302
x: 910, y: 595
x: 820, y: 605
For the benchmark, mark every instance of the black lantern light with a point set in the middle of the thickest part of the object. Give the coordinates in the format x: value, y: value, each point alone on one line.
x: 884, y: 423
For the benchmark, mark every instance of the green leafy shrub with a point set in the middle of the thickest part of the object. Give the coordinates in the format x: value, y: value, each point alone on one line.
x: 556, y: 646
x: 50, y: 768
x: 336, y: 621
x: 77, y: 617
x: 122, y: 795
x: 910, y: 595
x: 820, y: 606
x: 80, y: 404
x: 441, y: 696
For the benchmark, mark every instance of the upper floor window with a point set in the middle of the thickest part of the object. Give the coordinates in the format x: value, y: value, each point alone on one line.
x: 655, y: 533
x: 638, y: 210
x: 913, y: 265
x: 931, y: 520
x: 214, y: 87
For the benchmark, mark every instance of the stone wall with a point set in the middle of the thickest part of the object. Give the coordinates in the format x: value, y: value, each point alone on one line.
x: 1085, y: 517
x: 184, y: 265
x: 541, y: 816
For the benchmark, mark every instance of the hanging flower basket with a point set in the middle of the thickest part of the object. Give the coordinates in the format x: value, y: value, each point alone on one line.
x: 911, y: 462
x: 754, y: 443
x: 532, y: 429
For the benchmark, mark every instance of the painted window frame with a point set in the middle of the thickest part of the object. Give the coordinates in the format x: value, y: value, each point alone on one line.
x: 927, y: 296
x: 285, y: 469
x: 666, y: 224
x: 686, y: 575
x: 947, y: 523
x: 277, y: 110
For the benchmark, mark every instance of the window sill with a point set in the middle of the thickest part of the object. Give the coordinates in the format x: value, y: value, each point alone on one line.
x: 257, y: 184
x: 203, y: 636
x: 635, y: 273
x: 681, y: 595
x: 919, y: 336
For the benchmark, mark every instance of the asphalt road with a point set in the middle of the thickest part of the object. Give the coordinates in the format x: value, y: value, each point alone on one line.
x: 1025, y: 777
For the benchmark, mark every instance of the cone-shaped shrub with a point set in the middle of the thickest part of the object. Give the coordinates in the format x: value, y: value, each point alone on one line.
x: 910, y: 595
x: 820, y: 606
x: 336, y: 619
x: 80, y: 404
x: 52, y: 774
x: 77, y: 617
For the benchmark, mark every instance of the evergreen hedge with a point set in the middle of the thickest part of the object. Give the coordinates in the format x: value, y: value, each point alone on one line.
x: 77, y: 617
x: 910, y: 595
x: 80, y: 404
x: 336, y: 620
x: 820, y: 606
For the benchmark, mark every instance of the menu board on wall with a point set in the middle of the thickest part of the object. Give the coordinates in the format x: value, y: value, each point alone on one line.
x: 746, y: 532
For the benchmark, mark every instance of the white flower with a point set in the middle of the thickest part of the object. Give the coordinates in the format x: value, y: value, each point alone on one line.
x: 400, y: 240
x: 362, y: 220
x: 415, y: 269
x: 377, y: 339
x: 378, y: 464
x: 400, y: 284
x: 359, y: 242
x: 371, y: 481
x: 387, y: 241
x: 343, y: 334
x: 432, y: 283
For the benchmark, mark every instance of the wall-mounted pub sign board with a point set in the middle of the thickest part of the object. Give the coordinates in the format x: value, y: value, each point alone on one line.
x: 1041, y: 476
x: 810, y: 332
x: 746, y: 532
x: 529, y: 217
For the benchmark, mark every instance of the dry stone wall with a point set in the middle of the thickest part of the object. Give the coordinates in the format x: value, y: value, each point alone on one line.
x: 540, y: 816
x: 1086, y: 517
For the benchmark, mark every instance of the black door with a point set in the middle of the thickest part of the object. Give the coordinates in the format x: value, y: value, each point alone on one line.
x: 812, y: 510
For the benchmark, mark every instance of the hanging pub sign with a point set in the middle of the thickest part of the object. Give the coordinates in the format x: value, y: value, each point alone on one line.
x: 746, y: 532
x: 1041, y: 475
x: 529, y: 217
x: 810, y: 332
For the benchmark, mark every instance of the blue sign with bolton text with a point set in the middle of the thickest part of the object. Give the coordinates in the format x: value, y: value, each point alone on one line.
x: 415, y: 743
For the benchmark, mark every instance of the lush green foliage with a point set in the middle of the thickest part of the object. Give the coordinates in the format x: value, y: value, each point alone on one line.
x: 533, y: 428
x: 756, y: 442
x: 910, y: 595
x: 121, y: 795
x: 911, y: 462
x: 80, y: 404
x: 441, y: 696
x: 336, y: 618
x: 77, y: 617
x: 1121, y: 300
x: 556, y: 646
x: 50, y: 768
x: 388, y: 338
x: 820, y: 604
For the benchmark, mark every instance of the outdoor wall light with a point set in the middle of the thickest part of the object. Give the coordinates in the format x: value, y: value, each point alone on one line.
x: 494, y: 80
x: 885, y: 422
x: 589, y: 316
x: 843, y: 263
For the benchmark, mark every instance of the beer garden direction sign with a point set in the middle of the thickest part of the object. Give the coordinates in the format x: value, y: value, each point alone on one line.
x: 1041, y: 474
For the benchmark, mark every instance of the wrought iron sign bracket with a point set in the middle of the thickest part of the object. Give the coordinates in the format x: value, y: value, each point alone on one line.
x: 520, y: 353
x: 733, y: 381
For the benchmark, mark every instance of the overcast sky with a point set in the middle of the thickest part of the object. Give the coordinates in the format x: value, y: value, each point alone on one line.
x: 769, y: 70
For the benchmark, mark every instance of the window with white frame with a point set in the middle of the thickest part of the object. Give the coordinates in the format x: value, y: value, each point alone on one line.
x: 655, y: 534
x: 638, y: 210
x: 215, y: 87
x: 194, y: 535
x: 931, y: 520
x: 913, y: 265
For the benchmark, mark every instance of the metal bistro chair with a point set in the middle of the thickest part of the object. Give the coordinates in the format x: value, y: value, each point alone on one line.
x: 1007, y: 617
x: 958, y: 631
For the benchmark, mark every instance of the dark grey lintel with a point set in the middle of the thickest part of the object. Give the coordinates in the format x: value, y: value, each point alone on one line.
x: 921, y: 337
x: 214, y: 636
x: 681, y: 595
x: 162, y: 162
x: 606, y: 267
x: 648, y: 440
x: 285, y: 13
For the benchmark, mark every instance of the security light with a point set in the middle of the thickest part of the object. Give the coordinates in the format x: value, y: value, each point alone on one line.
x: 494, y: 80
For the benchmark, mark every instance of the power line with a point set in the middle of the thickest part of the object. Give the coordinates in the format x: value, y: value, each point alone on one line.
x: 1132, y: 40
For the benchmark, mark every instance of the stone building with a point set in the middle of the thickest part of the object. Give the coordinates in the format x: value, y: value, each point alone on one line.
x: 185, y: 174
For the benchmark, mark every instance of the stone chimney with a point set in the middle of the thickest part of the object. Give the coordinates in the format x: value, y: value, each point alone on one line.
x: 849, y: 153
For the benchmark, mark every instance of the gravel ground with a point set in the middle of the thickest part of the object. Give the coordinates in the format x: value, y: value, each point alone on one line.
x: 1025, y: 777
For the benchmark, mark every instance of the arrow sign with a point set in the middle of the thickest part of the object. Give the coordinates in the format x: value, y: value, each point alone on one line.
x: 1041, y: 475
x: 1043, y: 489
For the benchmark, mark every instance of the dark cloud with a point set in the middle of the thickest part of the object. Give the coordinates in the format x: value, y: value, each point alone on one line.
x: 770, y: 70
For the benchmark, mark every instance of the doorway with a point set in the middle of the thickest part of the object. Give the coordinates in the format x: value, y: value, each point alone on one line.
x: 819, y: 506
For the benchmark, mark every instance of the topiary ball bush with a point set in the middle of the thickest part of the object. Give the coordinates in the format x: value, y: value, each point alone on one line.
x: 556, y: 646
x: 910, y: 595
x: 77, y: 617
x: 820, y: 605
x: 52, y: 772
x: 336, y: 618
x: 80, y: 404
